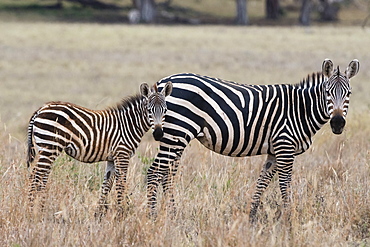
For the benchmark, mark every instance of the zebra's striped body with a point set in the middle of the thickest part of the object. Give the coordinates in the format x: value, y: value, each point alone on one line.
x: 110, y: 135
x: 244, y: 120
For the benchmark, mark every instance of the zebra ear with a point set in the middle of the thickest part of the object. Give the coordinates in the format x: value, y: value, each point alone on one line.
x: 144, y: 89
x: 154, y: 89
x: 327, y: 67
x: 353, y: 68
x: 167, y: 89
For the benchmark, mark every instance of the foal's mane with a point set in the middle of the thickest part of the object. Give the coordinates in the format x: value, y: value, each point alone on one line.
x: 126, y: 102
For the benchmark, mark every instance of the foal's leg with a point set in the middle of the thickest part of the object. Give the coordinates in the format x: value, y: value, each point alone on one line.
x: 39, y: 176
x: 106, y: 188
x: 121, y: 164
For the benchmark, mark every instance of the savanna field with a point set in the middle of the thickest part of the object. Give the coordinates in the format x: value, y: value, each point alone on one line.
x: 97, y: 65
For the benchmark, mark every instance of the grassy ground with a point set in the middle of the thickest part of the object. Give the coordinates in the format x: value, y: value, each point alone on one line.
x: 96, y: 65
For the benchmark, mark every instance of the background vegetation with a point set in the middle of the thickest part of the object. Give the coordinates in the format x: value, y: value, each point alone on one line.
x: 96, y: 65
x: 346, y: 12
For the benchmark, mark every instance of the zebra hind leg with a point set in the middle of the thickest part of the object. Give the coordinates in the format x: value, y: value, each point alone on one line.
x: 105, y: 189
x: 267, y: 173
x: 39, y: 177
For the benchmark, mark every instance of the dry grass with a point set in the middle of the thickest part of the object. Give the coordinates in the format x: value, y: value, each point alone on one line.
x: 96, y: 65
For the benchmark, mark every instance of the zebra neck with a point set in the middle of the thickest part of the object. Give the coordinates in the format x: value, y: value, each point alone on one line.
x: 135, y: 114
x: 315, y: 106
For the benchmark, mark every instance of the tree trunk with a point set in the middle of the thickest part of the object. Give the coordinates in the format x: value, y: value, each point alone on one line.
x: 147, y: 11
x: 304, y: 17
x: 136, y: 4
x: 330, y: 10
x: 241, y: 12
x: 272, y: 9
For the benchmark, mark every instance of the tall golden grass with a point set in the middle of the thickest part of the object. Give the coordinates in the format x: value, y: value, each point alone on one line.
x: 96, y: 65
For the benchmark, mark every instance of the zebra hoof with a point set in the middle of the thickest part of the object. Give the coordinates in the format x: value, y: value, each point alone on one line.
x: 100, y: 212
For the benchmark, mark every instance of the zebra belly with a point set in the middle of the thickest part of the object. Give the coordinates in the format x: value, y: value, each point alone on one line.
x: 81, y: 155
x: 73, y: 150
x: 249, y: 148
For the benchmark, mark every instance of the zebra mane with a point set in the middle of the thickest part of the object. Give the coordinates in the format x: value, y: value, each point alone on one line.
x: 127, y: 102
x: 123, y: 104
x: 311, y: 80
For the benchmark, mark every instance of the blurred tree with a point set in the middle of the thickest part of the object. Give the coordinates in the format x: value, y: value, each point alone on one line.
x: 304, y: 17
x: 364, y: 5
x: 329, y: 10
x: 272, y: 9
x: 241, y: 12
x: 59, y: 4
x: 147, y: 9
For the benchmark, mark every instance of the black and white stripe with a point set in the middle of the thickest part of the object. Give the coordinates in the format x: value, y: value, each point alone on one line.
x: 244, y: 120
x: 110, y: 135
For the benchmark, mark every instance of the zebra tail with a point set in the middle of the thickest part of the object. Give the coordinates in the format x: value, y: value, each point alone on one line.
x: 31, y: 153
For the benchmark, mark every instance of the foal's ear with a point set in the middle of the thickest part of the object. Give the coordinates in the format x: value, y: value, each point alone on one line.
x: 144, y: 89
x: 353, y: 68
x: 167, y: 89
x: 327, y: 67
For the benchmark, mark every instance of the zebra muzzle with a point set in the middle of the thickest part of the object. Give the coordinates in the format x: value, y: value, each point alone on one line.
x: 337, y: 124
x: 158, y: 133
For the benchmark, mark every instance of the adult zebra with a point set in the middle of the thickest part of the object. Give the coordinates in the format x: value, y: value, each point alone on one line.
x: 244, y: 120
x: 110, y: 135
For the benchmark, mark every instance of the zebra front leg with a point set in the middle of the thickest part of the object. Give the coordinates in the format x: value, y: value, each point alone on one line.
x: 162, y: 171
x: 285, y: 161
x: 153, y: 180
x: 168, y: 183
x: 267, y: 173
x: 105, y: 189
x: 121, y: 166
x: 39, y: 177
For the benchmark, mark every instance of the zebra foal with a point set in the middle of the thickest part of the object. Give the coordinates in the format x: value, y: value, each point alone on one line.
x: 110, y: 135
x: 244, y: 120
